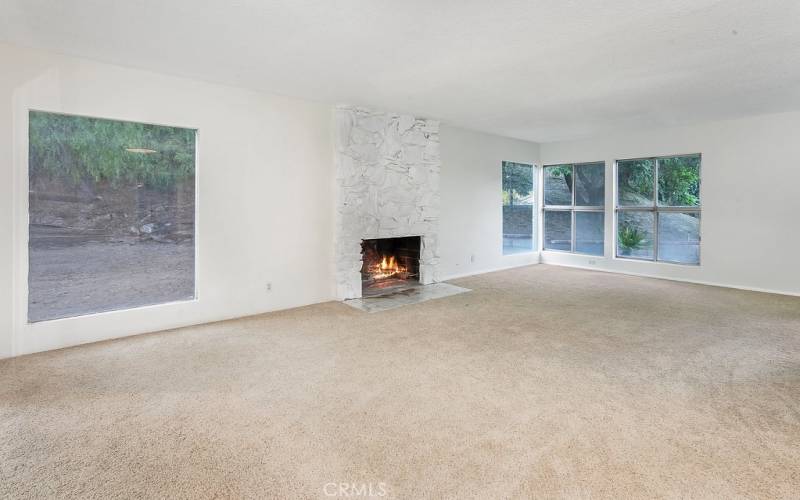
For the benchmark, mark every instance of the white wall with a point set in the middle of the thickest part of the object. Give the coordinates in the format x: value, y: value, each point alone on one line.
x: 471, y: 221
x: 750, y: 197
x: 265, y: 193
x: 6, y: 212
x: 260, y: 154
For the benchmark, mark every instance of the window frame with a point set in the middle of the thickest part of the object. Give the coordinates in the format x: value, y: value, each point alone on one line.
x: 572, y: 208
x: 655, y: 209
x: 535, y: 222
x: 21, y: 276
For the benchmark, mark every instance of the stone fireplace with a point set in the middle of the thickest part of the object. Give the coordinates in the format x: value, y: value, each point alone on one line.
x: 389, y: 264
x: 387, y: 187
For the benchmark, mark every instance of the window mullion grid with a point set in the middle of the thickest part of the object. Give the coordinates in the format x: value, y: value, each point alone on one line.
x: 680, y: 209
x: 646, y: 209
x: 655, y: 205
x: 615, y: 215
x: 572, y: 209
x: 572, y: 242
x: 655, y: 208
x: 572, y: 212
x: 534, y: 212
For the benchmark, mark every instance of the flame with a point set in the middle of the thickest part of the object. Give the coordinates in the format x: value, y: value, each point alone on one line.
x: 386, y: 268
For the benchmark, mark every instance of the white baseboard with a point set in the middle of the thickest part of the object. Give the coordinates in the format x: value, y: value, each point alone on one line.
x: 485, y: 271
x: 694, y: 282
x: 627, y: 273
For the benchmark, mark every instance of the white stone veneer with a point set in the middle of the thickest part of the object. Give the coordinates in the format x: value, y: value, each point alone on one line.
x: 387, y: 176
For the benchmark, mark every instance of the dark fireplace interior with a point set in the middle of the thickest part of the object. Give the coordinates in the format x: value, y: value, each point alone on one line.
x: 389, y: 264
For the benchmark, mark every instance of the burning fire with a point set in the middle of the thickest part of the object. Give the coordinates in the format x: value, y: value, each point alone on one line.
x: 386, y: 268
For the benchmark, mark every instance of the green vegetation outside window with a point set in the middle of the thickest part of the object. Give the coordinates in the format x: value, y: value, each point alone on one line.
x: 574, y: 208
x: 111, y: 215
x: 658, y: 209
x: 518, y: 203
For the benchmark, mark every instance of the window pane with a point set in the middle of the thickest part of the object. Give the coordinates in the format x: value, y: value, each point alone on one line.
x: 558, y: 185
x: 558, y: 230
x: 589, y: 232
x: 679, y: 181
x: 112, y: 209
x: 635, y: 234
x: 635, y: 182
x: 679, y: 237
x: 517, y: 208
x: 590, y: 184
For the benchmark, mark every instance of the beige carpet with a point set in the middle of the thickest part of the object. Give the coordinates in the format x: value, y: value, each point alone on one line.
x: 543, y: 381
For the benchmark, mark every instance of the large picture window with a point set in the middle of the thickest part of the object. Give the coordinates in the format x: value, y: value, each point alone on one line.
x: 518, y: 203
x: 658, y: 209
x: 574, y: 199
x: 111, y: 215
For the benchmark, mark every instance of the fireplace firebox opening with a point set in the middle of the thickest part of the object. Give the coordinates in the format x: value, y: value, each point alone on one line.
x: 389, y: 264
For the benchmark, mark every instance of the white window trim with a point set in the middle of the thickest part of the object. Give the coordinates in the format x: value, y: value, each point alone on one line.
x: 573, y: 209
x: 58, y: 333
x: 535, y: 223
x: 656, y: 209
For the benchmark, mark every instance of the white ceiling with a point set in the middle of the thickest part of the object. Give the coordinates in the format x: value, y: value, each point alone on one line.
x: 539, y: 69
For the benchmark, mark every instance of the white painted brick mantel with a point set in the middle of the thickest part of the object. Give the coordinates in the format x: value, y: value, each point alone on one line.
x: 387, y: 178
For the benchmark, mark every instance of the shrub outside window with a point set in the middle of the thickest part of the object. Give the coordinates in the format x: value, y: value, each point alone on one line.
x: 574, y: 208
x: 658, y: 209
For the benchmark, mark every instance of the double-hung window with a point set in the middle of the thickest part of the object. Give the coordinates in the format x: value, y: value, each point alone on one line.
x: 658, y: 209
x: 574, y: 203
